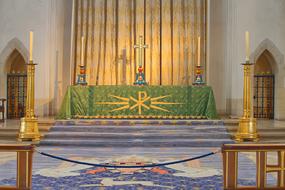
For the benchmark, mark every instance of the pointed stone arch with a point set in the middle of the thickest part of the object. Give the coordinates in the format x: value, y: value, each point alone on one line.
x: 12, y: 45
x: 265, y: 64
x: 273, y: 50
x: 277, y: 64
x: 15, y: 63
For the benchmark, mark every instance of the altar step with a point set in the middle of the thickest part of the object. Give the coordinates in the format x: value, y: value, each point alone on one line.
x: 137, y: 143
x: 139, y: 128
x: 155, y: 135
x: 137, y: 136
x: 132, y: 122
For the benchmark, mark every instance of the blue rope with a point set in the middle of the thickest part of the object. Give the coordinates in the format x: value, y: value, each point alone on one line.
x: 134, y: 166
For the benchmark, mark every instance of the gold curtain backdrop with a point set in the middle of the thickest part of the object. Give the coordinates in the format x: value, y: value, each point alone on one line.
x: 112, y: 27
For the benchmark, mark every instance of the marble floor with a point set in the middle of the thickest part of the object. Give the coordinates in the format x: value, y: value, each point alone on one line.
x: 270, y: 123
x: 205, y: 173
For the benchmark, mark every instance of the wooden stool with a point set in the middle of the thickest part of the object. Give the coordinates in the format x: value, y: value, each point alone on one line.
x: 2, y: 109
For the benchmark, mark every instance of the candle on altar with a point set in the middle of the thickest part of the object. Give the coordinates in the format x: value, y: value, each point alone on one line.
x: 31, y: 45
x: 247, y: 46
x: 82, y: 51
x: 199, y: 38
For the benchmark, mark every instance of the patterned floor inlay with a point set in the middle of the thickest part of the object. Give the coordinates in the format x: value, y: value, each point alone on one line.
x: 52, y: 174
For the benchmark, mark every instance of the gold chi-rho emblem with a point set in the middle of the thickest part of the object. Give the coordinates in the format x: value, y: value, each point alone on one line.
x: 142, y: 100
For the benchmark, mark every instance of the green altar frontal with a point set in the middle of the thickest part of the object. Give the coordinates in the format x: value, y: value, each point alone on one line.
x: 164, y: 102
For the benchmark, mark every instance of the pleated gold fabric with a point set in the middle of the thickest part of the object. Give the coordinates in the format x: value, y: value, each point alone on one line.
x: 112, y: 28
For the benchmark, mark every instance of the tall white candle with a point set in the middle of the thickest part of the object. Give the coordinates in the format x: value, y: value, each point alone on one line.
x: 247, y: 52
x: 82, y: 51
x: 31, y: 45
x: 199, y: 50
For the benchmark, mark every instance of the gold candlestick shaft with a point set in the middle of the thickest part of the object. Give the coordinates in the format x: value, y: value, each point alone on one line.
x: 247, y: 124
x: 29, y: 124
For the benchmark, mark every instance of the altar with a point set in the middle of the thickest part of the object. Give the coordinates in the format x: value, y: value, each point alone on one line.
x: 138, y: 102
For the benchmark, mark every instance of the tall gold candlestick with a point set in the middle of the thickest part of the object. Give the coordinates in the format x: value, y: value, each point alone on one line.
x: 247, y: 130
x: 29, y: 124
x: 31, y: 45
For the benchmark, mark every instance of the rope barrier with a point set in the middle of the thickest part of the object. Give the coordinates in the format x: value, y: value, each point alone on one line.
x: 107, y: 165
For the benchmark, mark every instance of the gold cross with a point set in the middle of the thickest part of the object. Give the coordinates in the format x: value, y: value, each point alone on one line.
x: 141, y: 46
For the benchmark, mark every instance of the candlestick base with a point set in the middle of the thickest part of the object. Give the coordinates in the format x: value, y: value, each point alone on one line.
x: 198, y: 76
x: 81, y: 80
x: 29, y: 130
x: 81, y: 77
x: 140, y: 77
x: 247, y: 130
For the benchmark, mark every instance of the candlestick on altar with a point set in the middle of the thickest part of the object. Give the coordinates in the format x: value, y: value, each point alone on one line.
x: 198, y: 71
x: 198, y: 76
x: 81, y: 77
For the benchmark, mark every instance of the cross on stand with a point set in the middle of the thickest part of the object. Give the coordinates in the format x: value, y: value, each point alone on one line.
x: 140, y: 77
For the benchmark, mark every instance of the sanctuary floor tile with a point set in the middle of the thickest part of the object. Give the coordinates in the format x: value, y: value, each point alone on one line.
x: 49, y: 173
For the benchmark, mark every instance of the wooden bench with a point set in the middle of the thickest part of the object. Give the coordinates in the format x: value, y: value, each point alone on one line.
x: 24, y: 165
x: 230, y: 165
x: 2, y: 109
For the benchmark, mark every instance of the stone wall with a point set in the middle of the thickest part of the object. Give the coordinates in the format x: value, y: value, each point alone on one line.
x: 51, y: 22
x: 228, y: 23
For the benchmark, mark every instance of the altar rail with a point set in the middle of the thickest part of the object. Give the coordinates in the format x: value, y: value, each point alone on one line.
x: 24, y: 165
x: 230, y: 164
